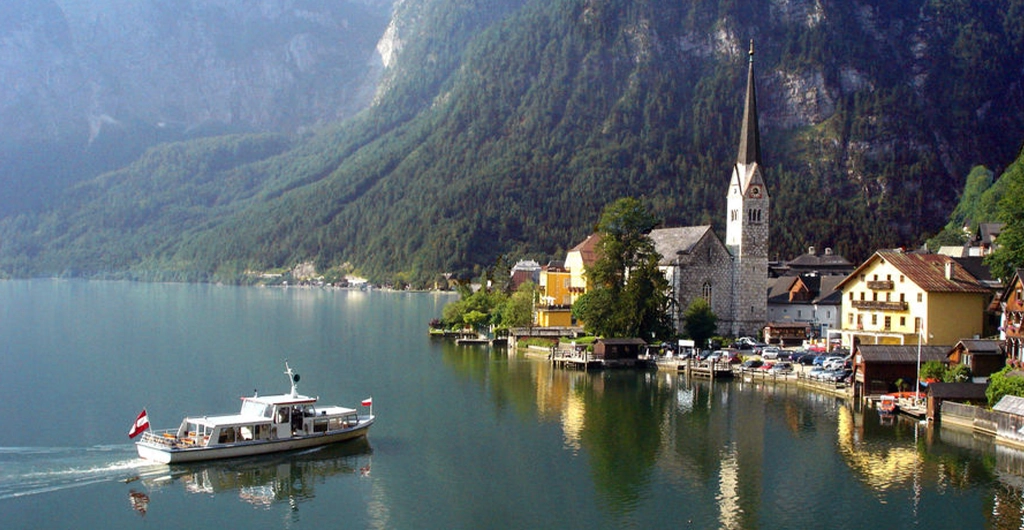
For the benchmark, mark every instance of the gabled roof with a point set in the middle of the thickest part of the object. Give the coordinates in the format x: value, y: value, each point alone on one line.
x: 587, y: 249
x: 778, y: 289
x: 976, y: 266
x: 982, y: 346
x: 901, y: 354
x: 927, y: 271
x: 988, y: 232
x: 829, y: 292
x: 672, y: 241
x: 1010, y: 405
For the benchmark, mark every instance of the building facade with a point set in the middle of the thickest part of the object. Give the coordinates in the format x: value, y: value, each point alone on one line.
x: 902, y: 298
x: 1012, y: 317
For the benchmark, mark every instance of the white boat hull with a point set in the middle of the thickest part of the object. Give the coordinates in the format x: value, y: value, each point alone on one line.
x: 176, y: 455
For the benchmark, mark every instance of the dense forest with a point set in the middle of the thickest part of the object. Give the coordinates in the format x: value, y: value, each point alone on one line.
x: 505, y: 127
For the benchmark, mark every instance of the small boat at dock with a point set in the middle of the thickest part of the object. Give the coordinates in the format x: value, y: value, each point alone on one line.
x: 265, y: 424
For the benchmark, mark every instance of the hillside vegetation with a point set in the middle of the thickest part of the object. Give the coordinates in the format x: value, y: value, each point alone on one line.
x: 505, y: 127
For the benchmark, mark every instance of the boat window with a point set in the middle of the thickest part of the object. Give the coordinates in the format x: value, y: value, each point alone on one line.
x: 320, y: 425
x: 246, y: 432
x: 255, y: 408
x: 282, y: 415
x: 308, y: 411
x: 350, y: 420
x: 227, y: 435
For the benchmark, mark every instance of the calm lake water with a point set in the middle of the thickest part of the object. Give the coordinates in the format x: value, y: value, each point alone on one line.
x: 466, y: 437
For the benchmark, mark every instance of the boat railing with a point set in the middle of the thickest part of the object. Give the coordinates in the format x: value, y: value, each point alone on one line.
x: 166, y: 437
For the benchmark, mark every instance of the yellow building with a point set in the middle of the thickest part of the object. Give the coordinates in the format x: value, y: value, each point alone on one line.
x: 579, y: 258
x: 896, y: 298
x: 554, y: 307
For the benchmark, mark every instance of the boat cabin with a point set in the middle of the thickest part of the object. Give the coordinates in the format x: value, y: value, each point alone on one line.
x: 264, y: 419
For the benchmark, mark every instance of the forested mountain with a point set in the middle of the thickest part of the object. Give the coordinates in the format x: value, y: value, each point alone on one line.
x: 501, y: 128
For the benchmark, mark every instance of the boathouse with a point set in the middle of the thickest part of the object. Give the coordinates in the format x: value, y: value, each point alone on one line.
x: 877, y: 367
x: 618, y: 350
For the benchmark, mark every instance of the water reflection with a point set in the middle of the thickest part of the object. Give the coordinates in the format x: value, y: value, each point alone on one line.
x: 289, y: 477
x: 738, y: 454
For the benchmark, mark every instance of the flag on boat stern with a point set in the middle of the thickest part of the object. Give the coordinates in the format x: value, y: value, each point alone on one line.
x: 368, y: 402
x: 141, y: 424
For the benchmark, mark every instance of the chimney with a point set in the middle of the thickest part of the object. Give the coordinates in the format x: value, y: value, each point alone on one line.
x: 828, y: 251
x: 949, y: 270
x: 810, y: 250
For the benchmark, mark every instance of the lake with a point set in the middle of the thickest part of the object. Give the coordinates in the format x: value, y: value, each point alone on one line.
x: 466, y: 437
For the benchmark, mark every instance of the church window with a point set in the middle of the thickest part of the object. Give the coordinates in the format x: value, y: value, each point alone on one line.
x: 734, y: 214
x: 705, y: 291
x: 754, y: 215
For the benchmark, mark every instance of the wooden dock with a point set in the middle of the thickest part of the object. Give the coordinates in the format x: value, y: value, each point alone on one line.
x: 700, y: 369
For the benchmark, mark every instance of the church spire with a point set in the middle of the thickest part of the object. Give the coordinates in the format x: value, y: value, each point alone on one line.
x: 750, y: 138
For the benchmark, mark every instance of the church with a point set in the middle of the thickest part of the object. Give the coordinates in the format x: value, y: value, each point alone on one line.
x: 732, y: 276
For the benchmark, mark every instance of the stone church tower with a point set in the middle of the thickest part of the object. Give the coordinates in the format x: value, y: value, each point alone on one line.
x: 747, y: 224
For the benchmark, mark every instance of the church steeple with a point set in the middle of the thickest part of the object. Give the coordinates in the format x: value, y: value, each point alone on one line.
x: 750, y: 138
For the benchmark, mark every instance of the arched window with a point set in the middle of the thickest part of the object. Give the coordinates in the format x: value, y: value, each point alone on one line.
x: 705, y: 291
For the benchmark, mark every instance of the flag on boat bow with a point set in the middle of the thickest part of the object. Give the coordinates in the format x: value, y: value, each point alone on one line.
x: 141, y: 424
x: 368, y: 402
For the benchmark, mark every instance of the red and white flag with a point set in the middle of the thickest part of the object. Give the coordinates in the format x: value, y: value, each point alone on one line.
x: 368, y: 402
x: 141, y: 424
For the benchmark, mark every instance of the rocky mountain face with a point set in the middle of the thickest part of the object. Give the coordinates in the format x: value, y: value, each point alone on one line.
x: 497, y: 127
x: 102, y: 79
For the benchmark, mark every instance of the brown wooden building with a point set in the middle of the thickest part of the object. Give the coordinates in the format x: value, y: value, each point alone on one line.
x: 984, y: 357
x: 618, y: 349
x: 877, y: 367
x: 969, y: 393
x: 1013, y: 314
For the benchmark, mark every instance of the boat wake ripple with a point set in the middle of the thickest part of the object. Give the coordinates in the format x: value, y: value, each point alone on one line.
x: 28, y: 471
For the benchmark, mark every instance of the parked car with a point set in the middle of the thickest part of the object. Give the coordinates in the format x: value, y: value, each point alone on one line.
x: 804, y: 358
x: 781, y: 368
x: 770, y: 352
x: 833, y: 363
x: 731, y: 357
x: 751, y: 364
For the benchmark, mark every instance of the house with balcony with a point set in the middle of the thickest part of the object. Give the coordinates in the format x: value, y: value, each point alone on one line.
x: 1012, y: 315
x: 554, y: 304
x: 899, y: 298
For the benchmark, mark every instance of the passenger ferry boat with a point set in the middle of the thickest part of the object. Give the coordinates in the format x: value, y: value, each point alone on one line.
x: 265, y: 424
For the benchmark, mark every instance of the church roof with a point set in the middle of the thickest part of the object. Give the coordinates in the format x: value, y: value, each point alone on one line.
x: 672, y: 241
x: 750, y: 141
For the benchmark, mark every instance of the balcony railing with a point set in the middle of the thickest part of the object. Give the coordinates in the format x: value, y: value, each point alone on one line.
x: 880, y: 305
x: 880, y: 285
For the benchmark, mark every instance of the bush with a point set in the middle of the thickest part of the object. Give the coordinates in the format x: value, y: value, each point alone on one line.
x: 1006, y: 382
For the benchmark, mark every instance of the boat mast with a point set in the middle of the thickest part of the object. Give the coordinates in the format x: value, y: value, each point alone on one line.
x: 293, y: 378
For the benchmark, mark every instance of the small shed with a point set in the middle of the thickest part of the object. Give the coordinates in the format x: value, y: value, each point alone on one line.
x: 968, y: 393
x: 877, y: 367
x: 618, y: 349
x: 984, y: 357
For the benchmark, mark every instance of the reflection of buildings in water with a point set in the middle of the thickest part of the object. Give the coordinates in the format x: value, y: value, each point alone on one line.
x: 573, y: 421
x: 265, y: 480
x: 728, y: 496
x: 1007, y: 508
x: 881, y: 466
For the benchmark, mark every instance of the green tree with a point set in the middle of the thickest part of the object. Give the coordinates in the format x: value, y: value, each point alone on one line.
x: 933, y: 370
x: 628, y: 296
x: 958, y: 373
x: 700, y: 322
x: 1006, y: 382
x: 1009, y: 253
x: 517, y: 311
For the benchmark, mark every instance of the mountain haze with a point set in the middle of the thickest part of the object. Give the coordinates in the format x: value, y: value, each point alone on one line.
x: 501, y: 128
